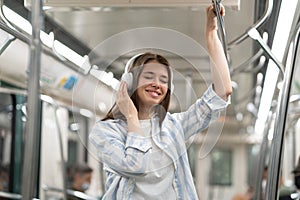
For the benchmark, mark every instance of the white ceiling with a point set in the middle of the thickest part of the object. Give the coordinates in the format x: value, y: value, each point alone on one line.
x: 95, y: 25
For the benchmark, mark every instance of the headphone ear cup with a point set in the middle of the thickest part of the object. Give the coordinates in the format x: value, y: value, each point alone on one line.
x: 128, y: 78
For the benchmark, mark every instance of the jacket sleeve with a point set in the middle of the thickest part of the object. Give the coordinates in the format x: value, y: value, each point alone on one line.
x: 126, y: 154
x: 199, y: 115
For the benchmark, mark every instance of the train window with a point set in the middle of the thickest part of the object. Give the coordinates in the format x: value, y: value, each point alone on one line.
x: 72, y: 152
x: 221, y: 167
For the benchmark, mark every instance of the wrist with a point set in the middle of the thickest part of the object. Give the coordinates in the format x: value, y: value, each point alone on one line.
x: 211, y: 35
x: 212, y: 39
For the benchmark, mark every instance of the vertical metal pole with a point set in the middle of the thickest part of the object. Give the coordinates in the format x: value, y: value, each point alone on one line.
x: 32, y: 135
x: 294, y: 146
x: 262, y: 160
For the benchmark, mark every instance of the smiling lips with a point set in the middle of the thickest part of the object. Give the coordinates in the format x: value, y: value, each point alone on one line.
x: 153, y: 93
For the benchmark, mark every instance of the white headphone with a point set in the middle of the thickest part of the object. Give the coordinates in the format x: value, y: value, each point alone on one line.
x: 128, y: 76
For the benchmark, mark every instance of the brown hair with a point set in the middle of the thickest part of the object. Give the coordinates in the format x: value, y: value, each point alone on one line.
x: 136, y: 68
x: 78, y: 168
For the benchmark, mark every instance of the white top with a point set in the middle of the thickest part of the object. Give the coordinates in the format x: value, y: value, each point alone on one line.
x: 158, y: 181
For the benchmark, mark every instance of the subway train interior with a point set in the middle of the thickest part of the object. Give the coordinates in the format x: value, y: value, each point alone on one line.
x: 61, y: 62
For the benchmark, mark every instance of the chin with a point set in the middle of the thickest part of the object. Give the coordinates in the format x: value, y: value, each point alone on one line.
x: 153, y: 103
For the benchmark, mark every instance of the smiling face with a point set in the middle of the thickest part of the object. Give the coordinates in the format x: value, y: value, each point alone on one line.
x: 152, y: 76
x: 152, y: 85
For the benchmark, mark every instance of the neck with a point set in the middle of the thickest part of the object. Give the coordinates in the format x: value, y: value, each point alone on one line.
x: 144, y: 115
x: 145, y: 112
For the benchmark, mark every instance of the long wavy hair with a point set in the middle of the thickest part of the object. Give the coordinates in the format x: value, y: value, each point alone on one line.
x: 136, y: 67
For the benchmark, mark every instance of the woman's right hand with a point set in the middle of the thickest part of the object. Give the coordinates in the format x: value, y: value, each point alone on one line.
x: 211, y: 18
x: 125, y: 104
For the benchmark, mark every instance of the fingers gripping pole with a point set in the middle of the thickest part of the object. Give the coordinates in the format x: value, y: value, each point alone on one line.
x: 221, y: 29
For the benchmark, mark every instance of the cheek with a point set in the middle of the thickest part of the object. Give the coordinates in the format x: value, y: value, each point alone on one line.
x: 143, y: 82
x: 139, y: 92
x: 164, y: 89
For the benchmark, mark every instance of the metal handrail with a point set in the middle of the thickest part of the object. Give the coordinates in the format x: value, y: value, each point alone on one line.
x: 13, y: 91
x: 12, y: 29
x: 32, y: 138
x: 221, y: 29
x: 254, y: 34
x: 48, y: 51
x: 262, y: 158
x: 251, y: 32
x: 6, y: 21
x: 293, y: 26
x: 6, y: 43
x: 258, y: 23
x: 280, y: 124
x: 10, y: 195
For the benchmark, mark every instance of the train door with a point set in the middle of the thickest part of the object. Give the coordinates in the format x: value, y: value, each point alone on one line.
x: 64, y: 145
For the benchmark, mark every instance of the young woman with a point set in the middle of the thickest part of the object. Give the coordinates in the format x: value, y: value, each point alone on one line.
x: 141, y: 144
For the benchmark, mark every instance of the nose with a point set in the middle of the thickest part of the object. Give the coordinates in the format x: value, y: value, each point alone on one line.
x: 156, y: 83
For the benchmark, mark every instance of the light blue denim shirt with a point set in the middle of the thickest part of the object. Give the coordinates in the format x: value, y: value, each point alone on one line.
x: 125, y: 156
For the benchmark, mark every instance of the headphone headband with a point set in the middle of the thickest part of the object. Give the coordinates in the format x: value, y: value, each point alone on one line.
x: 129, y: 62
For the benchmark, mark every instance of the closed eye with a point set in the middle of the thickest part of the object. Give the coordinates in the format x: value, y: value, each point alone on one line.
x: 163, y: 80
x: 150, y: 76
